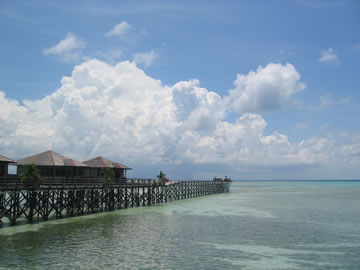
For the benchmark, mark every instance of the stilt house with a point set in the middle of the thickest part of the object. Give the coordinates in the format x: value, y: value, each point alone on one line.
x: 98, y: 163
x: 4, y: 163
x: 52, y: 164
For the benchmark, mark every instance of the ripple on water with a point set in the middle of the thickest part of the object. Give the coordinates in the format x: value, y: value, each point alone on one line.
x: 256, y: 226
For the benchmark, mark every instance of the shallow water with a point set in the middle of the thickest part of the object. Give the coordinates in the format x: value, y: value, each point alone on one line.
x: 258, y: 225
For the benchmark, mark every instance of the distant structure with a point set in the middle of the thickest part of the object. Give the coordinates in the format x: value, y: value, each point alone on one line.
x: 4, y: 163
x: 98, y: 163
x: 52, y: 164
x: 226, y: 179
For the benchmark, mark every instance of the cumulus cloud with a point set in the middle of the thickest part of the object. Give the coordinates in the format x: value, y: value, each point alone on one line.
x: 24, y: 127
x: 328, y: 56
x: 266, y: 89
x: 122, y: 113
x: 146, y: 59
x: 119, y: 30
x: 69, y: 49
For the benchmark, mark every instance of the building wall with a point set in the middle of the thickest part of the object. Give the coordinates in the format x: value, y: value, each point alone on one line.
x: 3, y: 169
x: 73, y: 172
x: 59, y: 171
x: 96, y: 173
x: 119, y: 173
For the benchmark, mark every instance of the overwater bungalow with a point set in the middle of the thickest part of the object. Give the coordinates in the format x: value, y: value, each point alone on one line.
x: 4, y: 163
x: 52, y: 164
x: 98, y: 163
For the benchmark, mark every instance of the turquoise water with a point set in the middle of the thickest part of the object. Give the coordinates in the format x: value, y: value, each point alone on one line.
x: 258, y: 225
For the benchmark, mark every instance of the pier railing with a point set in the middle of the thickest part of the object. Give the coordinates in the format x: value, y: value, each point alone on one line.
x: 14, y: 182
x: 67, y: 199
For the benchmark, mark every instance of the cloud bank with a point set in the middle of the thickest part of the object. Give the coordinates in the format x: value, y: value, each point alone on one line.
x: 122, y: 113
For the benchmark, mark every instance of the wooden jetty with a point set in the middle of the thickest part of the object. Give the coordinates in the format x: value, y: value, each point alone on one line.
x: 68, y: 199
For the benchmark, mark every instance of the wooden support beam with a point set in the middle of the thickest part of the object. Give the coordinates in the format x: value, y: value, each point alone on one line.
x: 55, y: 201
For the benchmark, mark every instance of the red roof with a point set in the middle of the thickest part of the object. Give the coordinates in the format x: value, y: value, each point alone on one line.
x: 6, y: 160
x: 101, y: 162
x: 50, y: 158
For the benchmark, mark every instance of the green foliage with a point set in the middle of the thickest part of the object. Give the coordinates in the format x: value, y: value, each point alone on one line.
x: 161, y: 177
x: 107, y: 174
x: 30, y: 175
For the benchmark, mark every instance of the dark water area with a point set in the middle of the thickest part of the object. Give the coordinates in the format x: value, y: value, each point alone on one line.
x: 258, y: 225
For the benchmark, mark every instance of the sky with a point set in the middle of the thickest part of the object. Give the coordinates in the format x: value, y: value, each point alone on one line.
x: 247, y: 89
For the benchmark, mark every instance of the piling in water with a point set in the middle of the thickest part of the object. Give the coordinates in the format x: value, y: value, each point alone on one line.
x: 43, y: 202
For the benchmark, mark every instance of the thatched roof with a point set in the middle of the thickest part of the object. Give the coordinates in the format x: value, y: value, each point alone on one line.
x: 101, y: 162
x: 50, y: 158
x: 6, y: 160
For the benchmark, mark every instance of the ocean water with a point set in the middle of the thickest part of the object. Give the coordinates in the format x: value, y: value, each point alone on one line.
x: 258, y: 225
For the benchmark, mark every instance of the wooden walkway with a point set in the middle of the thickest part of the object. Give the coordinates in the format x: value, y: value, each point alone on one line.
x: 20, y: 203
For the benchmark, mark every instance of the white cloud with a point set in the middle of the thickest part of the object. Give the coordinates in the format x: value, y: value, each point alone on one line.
x: 146, y: 59
x: 266, y: 89
x: 69, y: 49
x: 327, y: 101
x: 329, y: 56
x: 351, y: 152
x: 122, y: 113
x: 119, y: 30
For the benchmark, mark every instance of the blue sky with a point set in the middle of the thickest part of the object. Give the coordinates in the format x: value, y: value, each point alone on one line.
x: 250, y: 89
